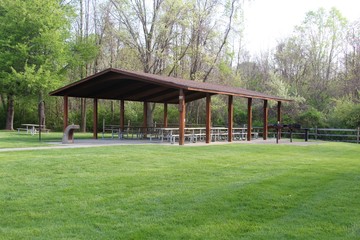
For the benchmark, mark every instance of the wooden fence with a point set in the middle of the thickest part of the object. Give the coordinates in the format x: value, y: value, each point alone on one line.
x: 326, y: 134
x: 336, y: 134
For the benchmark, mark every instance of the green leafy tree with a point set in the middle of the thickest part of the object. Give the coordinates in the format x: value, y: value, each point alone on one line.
x: 33, y: 49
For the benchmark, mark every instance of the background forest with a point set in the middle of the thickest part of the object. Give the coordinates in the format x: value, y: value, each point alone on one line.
x: 47, y: 44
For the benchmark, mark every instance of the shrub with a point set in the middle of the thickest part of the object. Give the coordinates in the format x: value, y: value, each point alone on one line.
x: 346, y: 114
x: 311, y: 118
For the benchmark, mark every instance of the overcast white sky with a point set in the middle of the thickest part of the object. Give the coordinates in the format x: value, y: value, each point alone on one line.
x: 269, y: 20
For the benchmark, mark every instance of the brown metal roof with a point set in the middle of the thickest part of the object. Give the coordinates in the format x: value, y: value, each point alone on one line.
x: 119, y: 84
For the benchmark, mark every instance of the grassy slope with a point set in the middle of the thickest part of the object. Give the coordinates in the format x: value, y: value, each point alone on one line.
x: 170, y: 192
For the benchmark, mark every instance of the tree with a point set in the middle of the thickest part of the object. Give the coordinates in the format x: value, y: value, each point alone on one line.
x: 84, y: 48
x: 33, y: 36
x: 211, y: 26
x: 149, y: 28
x: 351, y: 74
x: 310, y: 58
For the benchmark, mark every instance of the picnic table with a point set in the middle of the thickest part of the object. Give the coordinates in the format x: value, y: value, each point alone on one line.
x: 198, y: 133
x: 171, y: 134
x: 134, y: 132
x: 32, y: 128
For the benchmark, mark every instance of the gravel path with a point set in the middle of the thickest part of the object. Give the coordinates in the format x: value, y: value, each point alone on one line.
x: 110, y: 142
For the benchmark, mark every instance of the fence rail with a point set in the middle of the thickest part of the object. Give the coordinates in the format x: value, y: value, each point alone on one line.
x: 336, y: 134
x: 327, y: 134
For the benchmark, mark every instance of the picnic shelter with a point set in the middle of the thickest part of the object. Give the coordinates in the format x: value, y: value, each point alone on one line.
x: 123, y: 85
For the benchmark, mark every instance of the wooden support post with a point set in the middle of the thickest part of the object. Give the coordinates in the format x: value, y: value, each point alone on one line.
x: 208, y: 118
x: 249, y: 120
x: 122, y: 115
x: 66, y: 112
x: 279, y: 111
x: 230, y: 118
x: 266, y: 117
x: 95, y: 120
x: 279, y: 117
x: 145, y: 119
x: 165, y: 115
x: 181, y: 117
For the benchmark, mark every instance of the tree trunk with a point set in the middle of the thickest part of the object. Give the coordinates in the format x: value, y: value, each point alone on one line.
x: 112, y: 110
x: 41, y: 110
x: 42, y: 114
x: 3, y: 103
x: 83, y: 115
x: 150, y: 115
x: 10, y: 113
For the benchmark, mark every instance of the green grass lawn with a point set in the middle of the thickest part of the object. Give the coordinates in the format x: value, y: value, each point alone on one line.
x: 235, y: 191
x: 13, y: 139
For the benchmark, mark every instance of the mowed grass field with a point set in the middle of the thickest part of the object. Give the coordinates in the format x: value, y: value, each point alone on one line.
x: 13, y: 139
x: 233, y: 191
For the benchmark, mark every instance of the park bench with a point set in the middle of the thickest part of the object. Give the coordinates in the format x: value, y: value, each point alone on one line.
x: 23, y: 129
x: 46, y: 130
x: 113, y: 129
x: 189, y: 137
